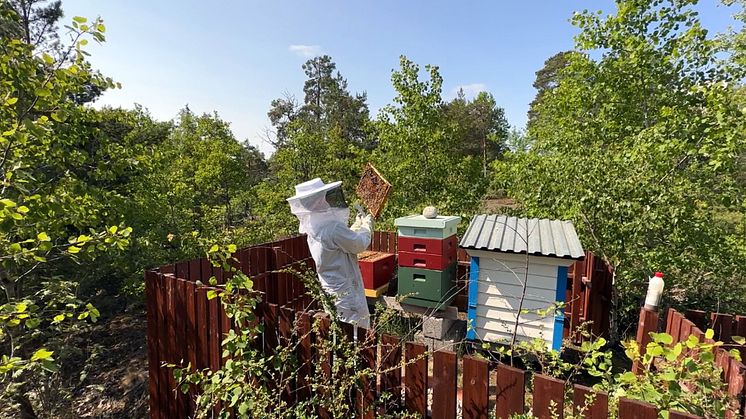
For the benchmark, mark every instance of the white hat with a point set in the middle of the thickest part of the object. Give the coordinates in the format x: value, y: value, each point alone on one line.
x: 312, y: 187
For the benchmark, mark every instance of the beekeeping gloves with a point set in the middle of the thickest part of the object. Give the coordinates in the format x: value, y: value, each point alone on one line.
x: 357, y: 225
x: 367, y: 223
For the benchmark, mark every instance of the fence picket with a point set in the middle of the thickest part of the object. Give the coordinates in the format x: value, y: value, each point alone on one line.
x: 391, y: 365
x: 324, y: 359
x: 722, y: 324
x: 589, y: 403
x: 367, y: 393
x: 634, y: 409
x: 444, y: 385
x: 510, y: 391
x: 476, y: 382
x: 415, y: 378
x: 152, y: 338
x: 305, y: 354
x: 549, y: 396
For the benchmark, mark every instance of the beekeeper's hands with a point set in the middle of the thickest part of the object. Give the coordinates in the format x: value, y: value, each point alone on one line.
x: 357, y: 225
x: 367, y: 222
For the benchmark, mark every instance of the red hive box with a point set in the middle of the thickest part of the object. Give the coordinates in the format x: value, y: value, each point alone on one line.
x: 377, y: 268
x: 446, y: 246
x: 427, y: 260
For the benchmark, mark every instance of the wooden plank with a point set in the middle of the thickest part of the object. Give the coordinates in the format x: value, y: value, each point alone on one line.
x: 182, y: 270
x: 170, y: 302
x: 191, y: 335
x: 367, y: 394
x: 670, y: 313
x: 154, y: 359
x: 444, y: 385
x: 676, y: 326
x: 736, y: 381
x: 324, y: 359
x: 476, y: 381
x: 648, y: 323
x: 634, y: 409
x: 698, y: 317
x: 590, y: 404
x: 510, y: 391
x: 164, y: 389
x: 285, y: 329
x: 202, y: 315
x: 305, y: 355
x: 722, y: 324
x: 576, y: 300
x: 415, y: 378
x: 686, y: 329
x: 549, y: 397
x: 391, y: 353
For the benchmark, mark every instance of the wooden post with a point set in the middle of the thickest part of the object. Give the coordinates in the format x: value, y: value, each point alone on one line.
x: 648, y: 323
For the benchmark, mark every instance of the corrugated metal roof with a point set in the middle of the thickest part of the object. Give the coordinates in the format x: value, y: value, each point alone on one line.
x: 534, y: 236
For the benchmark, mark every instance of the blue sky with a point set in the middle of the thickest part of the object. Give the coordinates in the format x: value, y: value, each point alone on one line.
x: 234, y: 56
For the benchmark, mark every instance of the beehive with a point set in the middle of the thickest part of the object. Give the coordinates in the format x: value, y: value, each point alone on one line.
x: 427, y: 259
x: 501, y: 248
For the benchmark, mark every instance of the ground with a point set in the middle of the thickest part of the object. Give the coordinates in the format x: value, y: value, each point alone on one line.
x: 106, y: 377
x: 117, y: 384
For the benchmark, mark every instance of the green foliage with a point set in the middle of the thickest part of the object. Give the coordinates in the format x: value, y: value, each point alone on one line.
x: 417, y: 149
x: 683, y: 377
x: 639, y: 147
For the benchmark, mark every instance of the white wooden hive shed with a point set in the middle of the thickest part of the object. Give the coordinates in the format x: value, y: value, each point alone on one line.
x: 500, y: 247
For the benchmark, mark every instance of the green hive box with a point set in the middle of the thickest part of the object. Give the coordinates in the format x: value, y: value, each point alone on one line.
x: 439, y: 227
x: 426, y: 287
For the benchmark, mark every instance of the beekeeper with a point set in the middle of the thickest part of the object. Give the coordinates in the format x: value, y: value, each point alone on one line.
x: 323, y: 214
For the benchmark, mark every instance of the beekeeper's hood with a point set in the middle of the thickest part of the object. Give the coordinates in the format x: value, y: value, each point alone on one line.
x: 316, y: 204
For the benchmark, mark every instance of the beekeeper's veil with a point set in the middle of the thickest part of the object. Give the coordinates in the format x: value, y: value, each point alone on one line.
x: 316, y: 204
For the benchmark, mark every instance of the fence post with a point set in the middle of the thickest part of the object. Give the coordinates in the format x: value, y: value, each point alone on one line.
x: 648, y: 323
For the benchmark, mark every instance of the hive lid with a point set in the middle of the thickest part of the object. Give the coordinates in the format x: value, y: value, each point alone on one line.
x: 441, y: 221
x: 542, y: 237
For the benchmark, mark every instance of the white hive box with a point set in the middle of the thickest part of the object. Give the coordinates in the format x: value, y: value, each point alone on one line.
x: 498, y: 247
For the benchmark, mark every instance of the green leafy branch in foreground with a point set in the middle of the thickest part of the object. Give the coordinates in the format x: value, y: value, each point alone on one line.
x: 681, y: 376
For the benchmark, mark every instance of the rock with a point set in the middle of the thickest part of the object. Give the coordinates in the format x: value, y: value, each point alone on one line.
x: 430, y: 212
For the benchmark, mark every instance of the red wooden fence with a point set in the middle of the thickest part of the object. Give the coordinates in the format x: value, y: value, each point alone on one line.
x: 178, y: 331
x: 681, y: 326
x: 184, y: 327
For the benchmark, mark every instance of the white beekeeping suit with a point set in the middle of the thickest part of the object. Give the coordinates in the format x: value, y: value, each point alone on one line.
x: 323, y: 215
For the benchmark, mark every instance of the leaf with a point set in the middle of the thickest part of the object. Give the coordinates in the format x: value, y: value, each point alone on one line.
x: 739, y: 340
x: 211, y: 294
x: 47, y: 58
x: 58, y: 318
x: 41, y: 355
x: 709, y: 334
x: 11, y: 101
x: 80, y: 19
x: 7, y: 203
x: 21, y: 307
x: 43, y: 237
x: 113, y: 229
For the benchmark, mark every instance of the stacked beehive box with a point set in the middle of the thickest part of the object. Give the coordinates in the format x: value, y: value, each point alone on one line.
x: 427, y: 259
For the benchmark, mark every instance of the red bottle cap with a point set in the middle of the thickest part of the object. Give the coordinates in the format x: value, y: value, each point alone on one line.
x: 659, y: 274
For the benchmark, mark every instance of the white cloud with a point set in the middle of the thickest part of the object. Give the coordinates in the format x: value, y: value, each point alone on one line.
x: 470, y: 90
x: 306, y: 51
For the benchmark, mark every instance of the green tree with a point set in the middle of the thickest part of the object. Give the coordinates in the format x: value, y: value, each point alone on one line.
x: 639, y: 147
x: 418, y: 149
x: 50, y: 214
x: 327, y: 105
x: 547, y: 78
x: 480, y: 126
